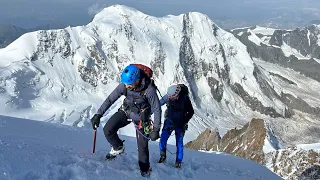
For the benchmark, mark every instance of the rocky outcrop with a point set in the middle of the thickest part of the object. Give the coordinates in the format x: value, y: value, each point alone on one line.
x: 294, y: 163
x: 246, y: 142
x: 216, y: 88
x: 94, y: 69
x: 208, y: 140
x: 186, y: 55
x: 52, y: 43
x: 305, y: 41
x: 253, y: 102
x: 312, y: 172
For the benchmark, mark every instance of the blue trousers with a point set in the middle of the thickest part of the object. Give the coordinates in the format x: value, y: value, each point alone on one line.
x: 166, y: 132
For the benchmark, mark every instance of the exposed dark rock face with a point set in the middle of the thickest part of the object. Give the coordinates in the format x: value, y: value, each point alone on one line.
x: 282, y: 78
x: 216, y: 88
x: 313, y: 172
x: 186, y: 56
x: 246, y: 142
x: 96, y: 68
x: 51, y: 43
x: 299, y: 104
x: 253, y: 102
x: 303, y: 40
x: 294, y: 163
x: 158, y: 63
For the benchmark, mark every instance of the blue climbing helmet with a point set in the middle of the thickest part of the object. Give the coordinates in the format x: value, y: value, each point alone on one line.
x: 130, y: 74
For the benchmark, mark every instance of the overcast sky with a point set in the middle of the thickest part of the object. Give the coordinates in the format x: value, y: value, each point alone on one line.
x: 31, y: 13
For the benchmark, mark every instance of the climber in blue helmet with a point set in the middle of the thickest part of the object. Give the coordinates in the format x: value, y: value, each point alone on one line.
x: 130, y: 76
x: 141, y: 101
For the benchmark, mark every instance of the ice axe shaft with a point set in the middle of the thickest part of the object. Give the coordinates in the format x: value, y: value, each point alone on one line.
x: 94, y: 141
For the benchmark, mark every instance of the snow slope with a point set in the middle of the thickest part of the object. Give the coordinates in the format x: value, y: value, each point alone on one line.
x: 31, y: 150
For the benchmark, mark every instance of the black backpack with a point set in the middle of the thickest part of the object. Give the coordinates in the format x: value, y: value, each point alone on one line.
x: 184, y: 90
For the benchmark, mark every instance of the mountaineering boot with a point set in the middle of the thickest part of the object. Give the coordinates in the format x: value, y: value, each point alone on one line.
x: 163, y: 157
x: 178, y: 165
x: 114, y: 152
x: 147, y: 173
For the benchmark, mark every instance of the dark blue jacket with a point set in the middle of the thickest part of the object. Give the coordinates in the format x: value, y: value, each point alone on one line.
x: 179, y: 111
x: 145, y: 96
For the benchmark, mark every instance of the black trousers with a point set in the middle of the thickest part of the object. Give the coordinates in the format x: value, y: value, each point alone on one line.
x: 120, y: 120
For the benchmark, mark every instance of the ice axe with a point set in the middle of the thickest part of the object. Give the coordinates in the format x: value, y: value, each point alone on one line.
x: 94, y: 141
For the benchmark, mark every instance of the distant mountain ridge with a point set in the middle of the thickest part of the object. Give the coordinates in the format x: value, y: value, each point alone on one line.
x: 9, y: 33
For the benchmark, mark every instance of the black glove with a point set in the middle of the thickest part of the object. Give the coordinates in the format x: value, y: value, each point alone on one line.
x: 185, y: 128
x: 95, y: 121
x: 154, y: 135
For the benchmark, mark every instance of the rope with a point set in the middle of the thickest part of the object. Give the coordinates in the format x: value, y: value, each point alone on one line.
x: 140, y: 132
x: 170, y: 151
x: 149, y: 138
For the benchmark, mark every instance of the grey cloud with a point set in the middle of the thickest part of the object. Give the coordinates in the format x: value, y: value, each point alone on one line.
x: 96, y: 8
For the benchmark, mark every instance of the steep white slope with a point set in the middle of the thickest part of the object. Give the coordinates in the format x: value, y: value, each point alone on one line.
x: 37, y: 150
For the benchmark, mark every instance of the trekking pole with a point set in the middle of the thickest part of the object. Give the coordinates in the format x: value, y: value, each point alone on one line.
x: 94, y: 141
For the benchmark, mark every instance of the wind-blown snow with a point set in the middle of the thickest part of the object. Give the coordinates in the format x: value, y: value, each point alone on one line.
x: 39, y: 150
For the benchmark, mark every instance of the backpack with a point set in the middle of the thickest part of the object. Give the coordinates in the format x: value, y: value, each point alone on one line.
x: 145, y: 69
x: 183, y: 95
x: 184, y: 90
x: 177, y: 108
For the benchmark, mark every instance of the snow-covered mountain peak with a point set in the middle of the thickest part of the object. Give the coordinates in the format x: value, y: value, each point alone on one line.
x: 316, y: 25
x: 119, y: 9
x: 115, y: 13
x: 64, y: 75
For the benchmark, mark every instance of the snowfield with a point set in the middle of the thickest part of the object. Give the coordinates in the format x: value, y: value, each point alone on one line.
x: 32, y: 150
